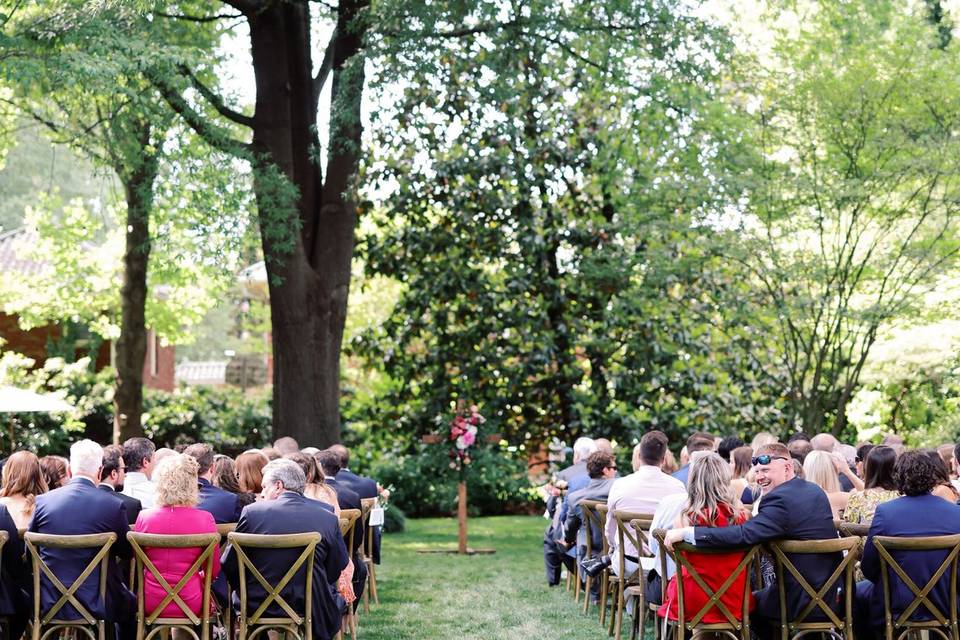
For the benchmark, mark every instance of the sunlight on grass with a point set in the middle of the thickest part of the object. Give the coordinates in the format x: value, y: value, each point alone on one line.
x: 486, y: 596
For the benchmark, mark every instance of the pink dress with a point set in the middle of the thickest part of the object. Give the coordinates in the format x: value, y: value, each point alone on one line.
x: 173, y: 563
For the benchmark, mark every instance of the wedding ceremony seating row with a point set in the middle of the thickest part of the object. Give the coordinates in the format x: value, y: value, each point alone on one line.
x: 829, y: 606
x: 69, y: 614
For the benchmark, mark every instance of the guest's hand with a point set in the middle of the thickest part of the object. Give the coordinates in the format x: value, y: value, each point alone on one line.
x: 674, y: 535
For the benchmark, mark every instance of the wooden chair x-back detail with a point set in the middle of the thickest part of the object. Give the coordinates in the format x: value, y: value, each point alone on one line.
x: 208, y: 543
x: 590, y: 522
x: 101, y: 541
x: 637, y: 536
x: 309, y: 542
x: 921, y: 597
x: 818, y: 603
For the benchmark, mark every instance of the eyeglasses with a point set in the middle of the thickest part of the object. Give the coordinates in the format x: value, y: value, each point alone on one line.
x: 613, y: 466
x: 764, y: 459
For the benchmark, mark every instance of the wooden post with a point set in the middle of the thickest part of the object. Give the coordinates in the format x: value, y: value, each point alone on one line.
x: 462, y: 516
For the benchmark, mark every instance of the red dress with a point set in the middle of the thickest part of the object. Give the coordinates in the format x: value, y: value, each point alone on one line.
x: 713, y: 569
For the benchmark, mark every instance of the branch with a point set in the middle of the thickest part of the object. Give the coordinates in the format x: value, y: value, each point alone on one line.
x: 215, y: 100
x: 325, y: 67
x: 212, y: 135
x: 246, y: 7
x: 213, y: 18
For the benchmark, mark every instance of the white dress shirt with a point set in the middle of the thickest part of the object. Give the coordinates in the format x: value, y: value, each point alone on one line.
x: 641, y: 492
x: 137, y: 485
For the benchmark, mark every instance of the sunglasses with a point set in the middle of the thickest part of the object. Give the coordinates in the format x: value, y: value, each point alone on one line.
x: 764, y: 459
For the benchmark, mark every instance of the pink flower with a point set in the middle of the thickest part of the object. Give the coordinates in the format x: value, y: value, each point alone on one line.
x: 469, y: 438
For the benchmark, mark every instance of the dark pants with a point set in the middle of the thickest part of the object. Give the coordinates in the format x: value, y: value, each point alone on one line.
x: 554, y: 558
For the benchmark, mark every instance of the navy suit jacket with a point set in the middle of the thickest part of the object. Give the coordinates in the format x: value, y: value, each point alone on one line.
x: 796, y: 510
x: 910, y: 516
x: 222, y: 505
x: 347, y: 499
x: 292, y: 513
x: 132, y: 504
x: 365, y: 488
x: 75, y: 509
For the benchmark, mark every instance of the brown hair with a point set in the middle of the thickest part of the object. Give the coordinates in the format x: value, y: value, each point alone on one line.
x: 250, y: 471
x: 54, y: 470
x: 742, y: 457
x: 22, y: 476
x: 308, y: 464
x: 225, y: 473
x: 653, y: 446
x: 597, y: 462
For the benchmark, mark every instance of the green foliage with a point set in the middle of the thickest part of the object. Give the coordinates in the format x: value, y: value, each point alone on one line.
x: 394, y: 520
x: 424, y: 484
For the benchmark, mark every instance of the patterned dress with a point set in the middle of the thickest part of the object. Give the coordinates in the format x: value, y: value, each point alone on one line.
x: 862, y: 504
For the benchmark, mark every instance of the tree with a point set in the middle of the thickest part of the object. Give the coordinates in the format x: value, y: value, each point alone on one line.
x: 60, y: 78
x: 856, y: 204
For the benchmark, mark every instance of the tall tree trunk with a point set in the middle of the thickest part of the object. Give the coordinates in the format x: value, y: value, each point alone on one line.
x: 308, y: 244
x: 131, y: 346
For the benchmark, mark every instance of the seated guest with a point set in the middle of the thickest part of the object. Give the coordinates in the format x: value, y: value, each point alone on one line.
x: 740, y: 467
x: 286, y: 445
x: 699, y: 441
x: 800, y: 449
x: 161, y: 453
x: 640, y: 492
x: 820, y: 468
x: 944, y: 487
x: 138, y: 456
x: 669, y: 466
x: 283, y: 509
x: 315, y: 488
x: 827, y: 443
x: 80, y: 508
x: 916, y: 513
x: 250, y: 466
x: 710, y: 503
x: 727, y: 446
x: 946, y: 454
x: 879, y: 486
x: 862, y: 452
x: 14, y: 579
x: 23, y: 481
x: 225, y: 477
x: 112, y: 475
x: 363, y: 486
x: 175, y: 513
x: 56, y: 471
x: 329, y: 464
x: 224, y: 506
x: 790, y: 508
x: 602, y: 470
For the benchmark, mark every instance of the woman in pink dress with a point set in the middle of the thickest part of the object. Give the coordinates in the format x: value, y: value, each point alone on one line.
x: 176, y: 514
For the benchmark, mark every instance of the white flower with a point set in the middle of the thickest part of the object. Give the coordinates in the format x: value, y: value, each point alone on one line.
x: 461, y: 443
x: 472, y: 429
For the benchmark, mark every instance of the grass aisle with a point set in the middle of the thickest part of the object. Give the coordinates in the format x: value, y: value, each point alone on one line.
x: 427, y: 596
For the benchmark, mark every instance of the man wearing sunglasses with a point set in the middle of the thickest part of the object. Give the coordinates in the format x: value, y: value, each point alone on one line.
x: 790, y: 509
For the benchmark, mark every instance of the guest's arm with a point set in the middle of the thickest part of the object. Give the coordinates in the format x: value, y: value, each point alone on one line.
x: 770, y: 523
x: 337, y: 557
x: 120, y: 525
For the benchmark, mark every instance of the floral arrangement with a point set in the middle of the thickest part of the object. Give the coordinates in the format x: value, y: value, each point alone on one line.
x: 463, y: 435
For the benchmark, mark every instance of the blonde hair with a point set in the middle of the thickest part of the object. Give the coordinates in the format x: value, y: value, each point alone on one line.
x: 176, y: 480
x: 761, y: 439
x: 708, y: 487
x: 818, y: 468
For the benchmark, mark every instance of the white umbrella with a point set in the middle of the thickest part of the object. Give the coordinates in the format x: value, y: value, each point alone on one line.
x: 13, y: 400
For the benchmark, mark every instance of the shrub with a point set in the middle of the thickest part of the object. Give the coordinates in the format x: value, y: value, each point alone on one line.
x: 394, y: 520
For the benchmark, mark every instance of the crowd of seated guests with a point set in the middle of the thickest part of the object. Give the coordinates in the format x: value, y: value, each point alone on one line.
x: 183, y: 491
x: 729, y: 496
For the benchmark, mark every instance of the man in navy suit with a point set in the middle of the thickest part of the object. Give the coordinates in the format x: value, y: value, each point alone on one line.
x: 222, y: 505
x: 916, y: 513
x: 790, y: 508
x: 347, y: 498
x: 80, y: 508
x: 283, y: 509
x: 363, y: 486
x: 111, y: 480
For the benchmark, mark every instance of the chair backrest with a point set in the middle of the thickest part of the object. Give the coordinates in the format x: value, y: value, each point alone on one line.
x: 366, y: 506
x: 207, y: 542
x: 226, y: 527
x: 921, y: 596
x: 819, y: 603
x: 241, y: 542
x: 640, y: 524
x: 638, y: 536
x: 602, y: 511
x: 36, y: 541
x: 349, y: 521
x: 679, y: 554
x: 591, y: 521
x: 851, y: 530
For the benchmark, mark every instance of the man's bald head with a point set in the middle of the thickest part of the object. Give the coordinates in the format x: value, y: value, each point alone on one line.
x: 603, y: 445
x: 343, y: 453
x: 823, y: 442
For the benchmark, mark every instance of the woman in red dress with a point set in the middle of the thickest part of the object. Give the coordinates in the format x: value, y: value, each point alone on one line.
x: 711, y: 503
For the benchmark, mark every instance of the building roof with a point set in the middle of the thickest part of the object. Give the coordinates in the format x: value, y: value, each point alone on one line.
x: 213, y: 372
x: 12, y: 255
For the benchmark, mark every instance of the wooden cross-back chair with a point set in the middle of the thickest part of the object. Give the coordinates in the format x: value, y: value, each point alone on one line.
x: 636, y: 591
x: 602, y: 512
x: 367, y: 505
x: 350, y: 519
x: 733, y: 627
x: 48, y: 623
x: 296, y: 623
x: 150, y: 623
x: 942, y: 624
x: 851, y: 530
x: 637, y: 536
x: 834, y: 626
x: 590, y: 522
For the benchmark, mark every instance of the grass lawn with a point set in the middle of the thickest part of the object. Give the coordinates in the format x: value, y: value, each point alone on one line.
x: 504, y: 595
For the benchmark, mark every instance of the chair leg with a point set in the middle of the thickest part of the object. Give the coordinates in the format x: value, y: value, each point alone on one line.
x: 621, y: 608
x: 604, y: 587
x: 615, y: 596
x: 568, y: 582
x: 576, y: 586
x: 586, y: 589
